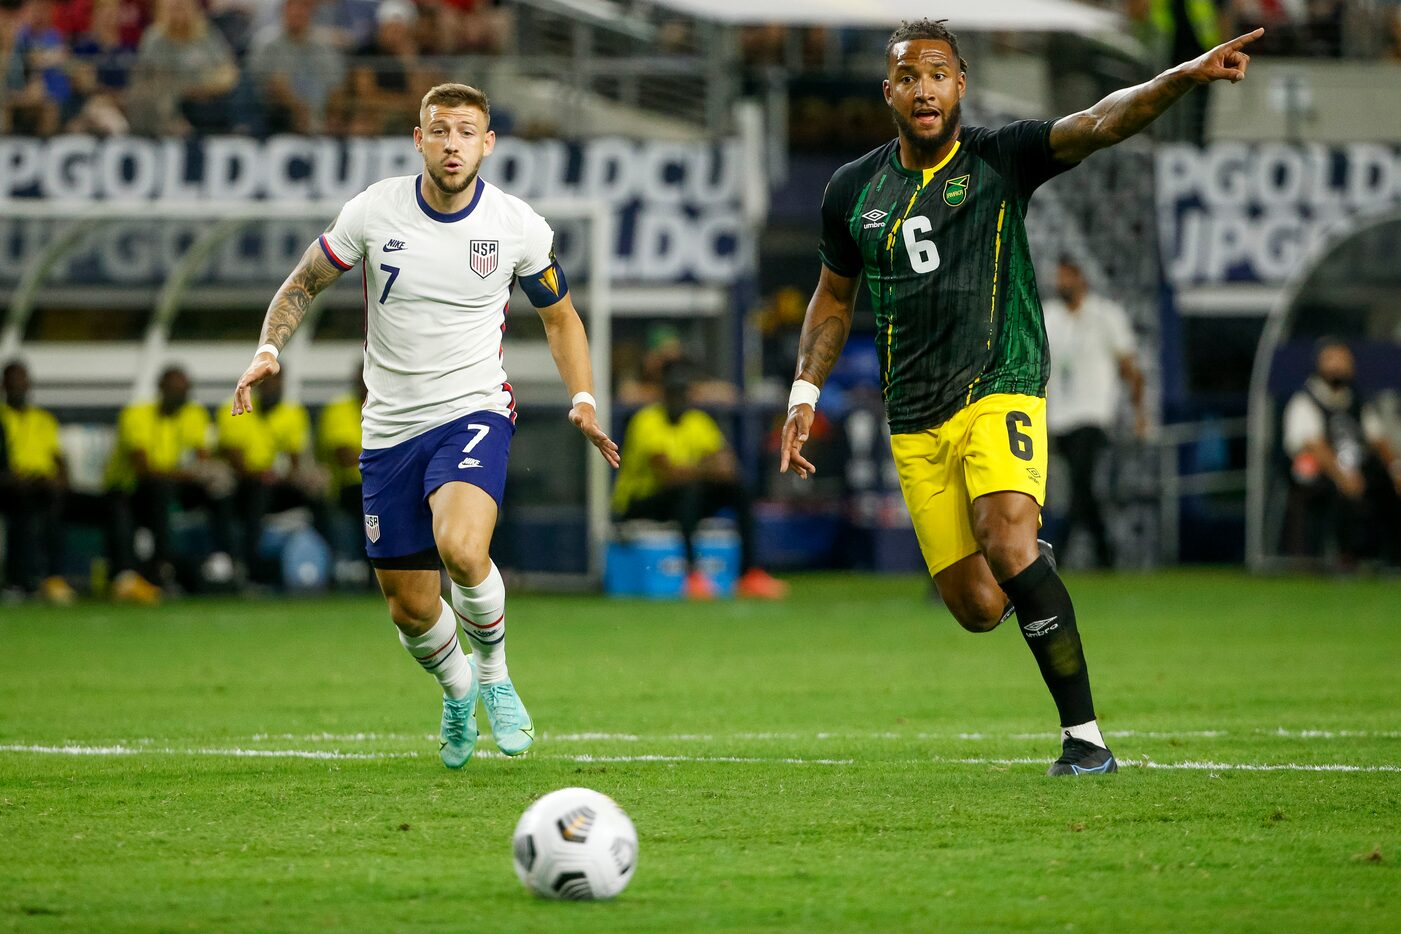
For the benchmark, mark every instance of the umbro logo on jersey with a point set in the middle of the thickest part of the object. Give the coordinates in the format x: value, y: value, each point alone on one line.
x: 394, y: 246
x: 469, y: 462
x: 372, y: 528
x: 874, y: 218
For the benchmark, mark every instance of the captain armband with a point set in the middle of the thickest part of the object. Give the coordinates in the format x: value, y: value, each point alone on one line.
x: 546, y: 287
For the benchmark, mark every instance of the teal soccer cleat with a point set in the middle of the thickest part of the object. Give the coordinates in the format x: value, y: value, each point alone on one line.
x: 459, y: 732
x: 511, y: 726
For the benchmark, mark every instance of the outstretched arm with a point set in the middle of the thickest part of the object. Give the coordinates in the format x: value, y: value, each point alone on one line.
x: 569, y: 345
x: 825, y: 330
x: 311, y: 277
x: 1128, y: 111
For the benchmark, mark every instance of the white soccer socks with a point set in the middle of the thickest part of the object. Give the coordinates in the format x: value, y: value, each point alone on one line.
x: 440, y: 654
x: 1089, y: 732
x: 482, y: 610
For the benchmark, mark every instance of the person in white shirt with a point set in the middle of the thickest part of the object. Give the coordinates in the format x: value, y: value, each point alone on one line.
x: 1345, y: 476
x: 440, y: 253
x: 1092, y: 352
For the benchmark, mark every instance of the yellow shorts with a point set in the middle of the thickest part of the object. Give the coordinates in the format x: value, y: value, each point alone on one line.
x: 998, y: 443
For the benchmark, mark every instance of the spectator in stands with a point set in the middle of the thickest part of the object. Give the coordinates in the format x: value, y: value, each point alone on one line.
x: 184, y: 74
x: 1179, y: 31
x: 387, y: 87
x: 338, y: 441
x: 35, y: 56
x: 349, y: 23
x: 297, y: 71
x: 1345, y: 476
x: 1393, y: 32
x: 680, y: 469
x: 31, y: 495
x: 475, y: 27
x: 1092, y: 352
x: 161, y: 461
x: 269, y: 449
x: 102, y: 64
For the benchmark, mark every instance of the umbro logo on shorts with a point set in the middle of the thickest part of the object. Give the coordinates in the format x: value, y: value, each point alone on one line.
x: 394, y: 246
x: 372, y: 528
x: 469, y: 462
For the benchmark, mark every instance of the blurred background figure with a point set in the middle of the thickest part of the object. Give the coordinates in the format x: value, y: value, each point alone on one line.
x: 389, y: 79
x: 32, y: 487
x: 269, y: 450
x: 1092, y: 352
x: 159, y: 464
x: 679, y: 468
x: 338, y: 446
x: 1345, y: 476
x: 297, y: 70
x: 184, y: 74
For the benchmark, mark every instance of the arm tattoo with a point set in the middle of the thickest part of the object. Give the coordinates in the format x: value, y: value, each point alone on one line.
x: 820, y: 347
x: 1120, y: 115
x: 312, y: 275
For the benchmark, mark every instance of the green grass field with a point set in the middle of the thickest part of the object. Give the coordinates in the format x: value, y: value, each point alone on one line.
x: 847, y: 760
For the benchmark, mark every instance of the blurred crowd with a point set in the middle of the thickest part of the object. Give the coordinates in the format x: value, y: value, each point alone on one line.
x: 175, y: 67
x: 352, y: 67
x: 186, y: 494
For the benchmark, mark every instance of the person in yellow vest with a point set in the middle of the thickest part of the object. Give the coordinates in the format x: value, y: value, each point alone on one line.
x: 1180, y: 31
x: 338, y: 447
x: 679, y: 468
x: 161, y: 461
x: 32, y: 490
x: 270, y: 451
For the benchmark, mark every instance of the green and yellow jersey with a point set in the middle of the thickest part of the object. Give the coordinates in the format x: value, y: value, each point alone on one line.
x: 264, y: 436
x: 31, y: 435
x: 944, y: 254
x: 685, y: 443
x: 339, y: 427
x: 167, y: 441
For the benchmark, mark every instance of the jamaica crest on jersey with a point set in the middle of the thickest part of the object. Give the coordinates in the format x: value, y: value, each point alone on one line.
x: 484, y: 255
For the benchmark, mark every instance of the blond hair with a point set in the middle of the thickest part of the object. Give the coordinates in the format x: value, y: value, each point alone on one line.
x: 455, y: 95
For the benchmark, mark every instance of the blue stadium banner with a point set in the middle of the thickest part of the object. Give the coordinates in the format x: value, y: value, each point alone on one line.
x: 676, y: 205
x: 1251, y: 212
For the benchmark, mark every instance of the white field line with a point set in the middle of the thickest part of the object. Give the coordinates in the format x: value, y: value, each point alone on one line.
x: 1203, y: 766
x: 604, y: 737
x: 325, y: 754
x: 121, y: 750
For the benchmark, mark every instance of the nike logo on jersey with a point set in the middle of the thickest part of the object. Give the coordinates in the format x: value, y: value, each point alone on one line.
x: 394, y: 246
x: 469, y: 462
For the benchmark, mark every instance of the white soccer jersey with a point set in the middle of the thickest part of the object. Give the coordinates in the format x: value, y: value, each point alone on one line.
x: 436, y: 288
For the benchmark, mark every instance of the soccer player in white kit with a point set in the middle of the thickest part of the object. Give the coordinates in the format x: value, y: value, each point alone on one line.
x: 440, y: 253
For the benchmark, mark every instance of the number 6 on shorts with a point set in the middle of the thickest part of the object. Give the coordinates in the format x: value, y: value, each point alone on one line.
x: 1019, y: 443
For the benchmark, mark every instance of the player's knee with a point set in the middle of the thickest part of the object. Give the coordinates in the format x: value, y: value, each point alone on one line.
x: 468, y: 561
x: 414, y: 613
x: 978, y: 610
x: 976, y: 616
x: 1006, y: 546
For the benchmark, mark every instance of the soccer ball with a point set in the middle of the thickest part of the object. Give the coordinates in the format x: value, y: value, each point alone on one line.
x: 575, y: 843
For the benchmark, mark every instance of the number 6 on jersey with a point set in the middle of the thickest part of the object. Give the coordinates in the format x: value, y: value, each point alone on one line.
x: 924, y: 255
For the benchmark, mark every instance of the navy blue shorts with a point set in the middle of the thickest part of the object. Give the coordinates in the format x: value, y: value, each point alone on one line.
x: 397, y: 481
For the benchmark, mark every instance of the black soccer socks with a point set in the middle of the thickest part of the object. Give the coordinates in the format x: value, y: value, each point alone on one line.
x: 1047, y: 620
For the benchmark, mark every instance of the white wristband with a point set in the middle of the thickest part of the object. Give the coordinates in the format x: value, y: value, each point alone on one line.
x: 803, y: 393
x: 268, y: 349
x: 584, y: 397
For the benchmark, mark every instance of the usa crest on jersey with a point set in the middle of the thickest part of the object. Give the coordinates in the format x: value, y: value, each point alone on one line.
x: 484, y: 255
x: 372, y: 528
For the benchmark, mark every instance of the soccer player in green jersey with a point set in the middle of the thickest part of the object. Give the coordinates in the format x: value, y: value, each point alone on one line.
x: 933, y: 222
